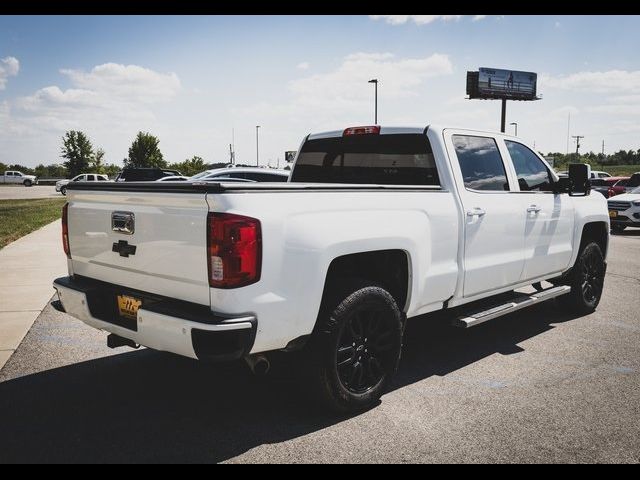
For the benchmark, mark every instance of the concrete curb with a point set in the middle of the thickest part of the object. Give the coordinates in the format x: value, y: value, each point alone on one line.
x: 28, y: 267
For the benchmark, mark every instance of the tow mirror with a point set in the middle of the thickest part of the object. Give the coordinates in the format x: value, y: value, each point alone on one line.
x: 579, y: 184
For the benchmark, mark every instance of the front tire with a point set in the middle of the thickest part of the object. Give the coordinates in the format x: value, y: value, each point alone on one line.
x: 356, y: 348
x: 586, y: 280
x: 63, y: 190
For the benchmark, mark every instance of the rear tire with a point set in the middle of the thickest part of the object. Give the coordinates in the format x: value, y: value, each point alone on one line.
x: 356, y: 348
x: 586, y: 280
x: 28, y: 183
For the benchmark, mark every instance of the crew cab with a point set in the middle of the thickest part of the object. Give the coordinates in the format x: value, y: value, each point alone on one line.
x: 376, y: 225
x: 14, y: 176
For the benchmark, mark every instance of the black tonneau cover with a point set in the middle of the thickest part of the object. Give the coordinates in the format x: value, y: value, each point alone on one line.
x: 217, y: 187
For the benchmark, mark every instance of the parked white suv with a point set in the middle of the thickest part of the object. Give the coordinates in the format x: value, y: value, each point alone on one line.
x: 242, y: 174
x: 624, y: 211
x: 61, y: 185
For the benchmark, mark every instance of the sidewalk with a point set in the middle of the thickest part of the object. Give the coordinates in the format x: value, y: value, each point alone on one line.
x: 28, y: 267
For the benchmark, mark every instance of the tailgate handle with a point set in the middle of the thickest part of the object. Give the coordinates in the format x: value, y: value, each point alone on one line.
x: 123, y: 222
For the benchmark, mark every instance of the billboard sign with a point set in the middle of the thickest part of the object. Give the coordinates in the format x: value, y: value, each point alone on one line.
x: 495, y: 83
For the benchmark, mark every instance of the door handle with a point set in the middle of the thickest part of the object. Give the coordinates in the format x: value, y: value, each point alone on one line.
x: 534, y: 209
x: 476, y: 212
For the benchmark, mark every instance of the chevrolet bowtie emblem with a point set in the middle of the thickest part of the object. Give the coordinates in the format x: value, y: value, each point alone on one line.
x: 123, y: 248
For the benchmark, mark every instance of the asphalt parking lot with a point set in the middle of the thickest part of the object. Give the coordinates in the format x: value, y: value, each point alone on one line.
x: 535, y: 386
x: 20, y: 192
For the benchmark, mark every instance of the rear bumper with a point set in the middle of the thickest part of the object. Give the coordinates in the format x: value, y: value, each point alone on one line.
x: 162, y: 324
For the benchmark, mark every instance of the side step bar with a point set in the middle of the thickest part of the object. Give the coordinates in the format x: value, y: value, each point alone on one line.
x: 521, y: 302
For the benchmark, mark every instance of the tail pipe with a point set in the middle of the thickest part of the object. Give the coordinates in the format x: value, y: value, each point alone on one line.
x: 259, y: 364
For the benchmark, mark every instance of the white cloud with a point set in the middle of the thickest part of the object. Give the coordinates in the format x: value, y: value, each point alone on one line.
x: 9, y: 67
x: 126, y: 81
x: 347, y: 84
x: 342, y: 96
x: 615, y: 109
x: 417, y: 19
x: 557, y: 24
x: 110, y: 100
x: 612, y: 81
x: 303, y: 66
x: 478, y: 17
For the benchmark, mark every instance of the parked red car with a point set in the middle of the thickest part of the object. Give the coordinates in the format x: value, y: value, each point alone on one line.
x: 625, y: 185
x: 604, y: 185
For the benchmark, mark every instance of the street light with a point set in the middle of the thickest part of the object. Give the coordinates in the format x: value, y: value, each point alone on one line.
x: 516, y: 125
x: 375, y: 81
x: 257, y: 147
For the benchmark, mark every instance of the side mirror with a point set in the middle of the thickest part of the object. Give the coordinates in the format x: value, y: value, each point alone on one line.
x: 579, y: 184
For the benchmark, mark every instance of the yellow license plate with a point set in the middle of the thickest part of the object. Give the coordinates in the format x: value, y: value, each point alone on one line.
x: 613, y: 213
x: 128, y: 306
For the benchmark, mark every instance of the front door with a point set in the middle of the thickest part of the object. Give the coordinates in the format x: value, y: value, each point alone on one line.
x: 549, y: 217
x: 493, y: 240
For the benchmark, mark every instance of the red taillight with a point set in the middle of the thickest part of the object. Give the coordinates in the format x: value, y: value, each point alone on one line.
x: 234, y: 250
x: 371, y: 130
x: 65, y: 230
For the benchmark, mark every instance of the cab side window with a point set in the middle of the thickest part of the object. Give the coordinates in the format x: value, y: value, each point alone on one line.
x: 533, y: 175
x: 481, y: 163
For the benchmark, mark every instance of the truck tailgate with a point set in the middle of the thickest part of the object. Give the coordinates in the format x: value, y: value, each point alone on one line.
x: 169, y: 236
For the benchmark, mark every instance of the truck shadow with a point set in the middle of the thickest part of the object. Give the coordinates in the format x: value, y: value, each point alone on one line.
x: 146, y: 406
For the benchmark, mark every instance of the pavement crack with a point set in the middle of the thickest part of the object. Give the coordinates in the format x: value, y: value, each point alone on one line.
x: 629, y: 277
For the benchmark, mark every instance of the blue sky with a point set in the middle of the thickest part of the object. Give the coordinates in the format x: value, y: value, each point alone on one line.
x: 191, y: 80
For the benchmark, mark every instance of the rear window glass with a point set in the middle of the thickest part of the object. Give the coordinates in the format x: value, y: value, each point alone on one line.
x: 399, y: 159
x: 481, y: 163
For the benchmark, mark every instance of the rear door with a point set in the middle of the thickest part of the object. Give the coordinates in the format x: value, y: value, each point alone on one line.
x: 162, y: 250
x: 548, y: 217
x: 493, y: 234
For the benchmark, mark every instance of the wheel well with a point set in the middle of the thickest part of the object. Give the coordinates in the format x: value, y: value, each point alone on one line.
x: 595, y: 232
x: 388, y: 268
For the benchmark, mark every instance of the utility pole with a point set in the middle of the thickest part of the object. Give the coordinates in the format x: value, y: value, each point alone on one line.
x: 577, y: 137
x: 257, y: 147
x: 375, y: 81
x: 568, y: 130
x: 603, y: 148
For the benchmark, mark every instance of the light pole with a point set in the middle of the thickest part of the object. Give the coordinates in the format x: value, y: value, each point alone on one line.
x: 516, y: 125
x: 257, y: 147
x: 375, y: 82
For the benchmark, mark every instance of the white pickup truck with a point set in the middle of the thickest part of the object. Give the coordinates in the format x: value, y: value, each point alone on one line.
x: 13, y: 176
x: 376, y: 225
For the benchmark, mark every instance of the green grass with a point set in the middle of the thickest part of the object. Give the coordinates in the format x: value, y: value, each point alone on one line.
x: 20, y: 217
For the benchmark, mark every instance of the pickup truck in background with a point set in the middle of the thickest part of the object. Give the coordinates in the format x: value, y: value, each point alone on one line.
x: 376, y: 225
x: 13, y: 176
x: 61, y: 185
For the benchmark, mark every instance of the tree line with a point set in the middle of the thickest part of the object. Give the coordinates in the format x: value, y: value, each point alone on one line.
x: 80, y: 156
x: 599, y: 160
